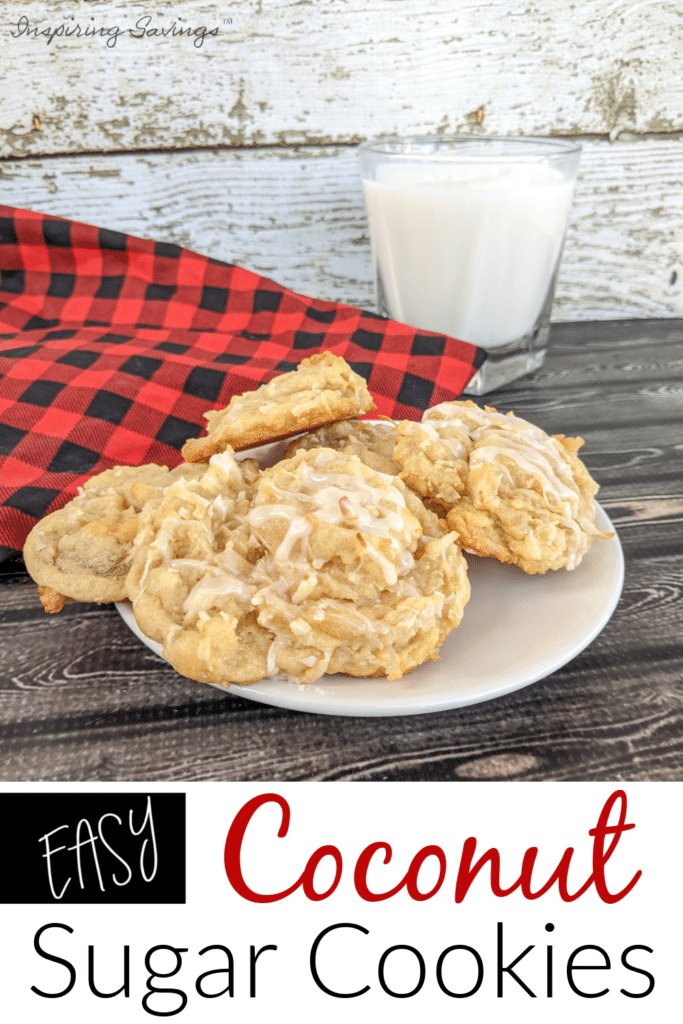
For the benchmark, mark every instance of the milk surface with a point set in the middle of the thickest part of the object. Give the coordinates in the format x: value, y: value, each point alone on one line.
x: 467, y: 250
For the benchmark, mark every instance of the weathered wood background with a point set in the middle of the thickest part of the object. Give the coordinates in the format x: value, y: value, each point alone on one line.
x: 241, y: 144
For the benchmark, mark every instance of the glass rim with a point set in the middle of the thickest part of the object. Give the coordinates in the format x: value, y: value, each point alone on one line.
x: 461, y: 146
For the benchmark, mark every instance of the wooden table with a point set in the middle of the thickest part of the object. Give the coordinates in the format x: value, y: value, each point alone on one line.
x: 81, y: 699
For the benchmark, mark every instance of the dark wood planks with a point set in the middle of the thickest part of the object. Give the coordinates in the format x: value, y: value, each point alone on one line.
x: 81, y: 700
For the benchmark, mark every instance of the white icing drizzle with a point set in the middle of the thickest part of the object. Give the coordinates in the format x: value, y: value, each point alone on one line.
x: 455, y: 445
x: 210, y: 588
x: 339, y: 498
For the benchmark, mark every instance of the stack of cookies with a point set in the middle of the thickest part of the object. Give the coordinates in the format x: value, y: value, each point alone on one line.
x: 343, y: 557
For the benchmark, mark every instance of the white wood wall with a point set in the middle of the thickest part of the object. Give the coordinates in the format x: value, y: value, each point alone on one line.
x: 243, y: 147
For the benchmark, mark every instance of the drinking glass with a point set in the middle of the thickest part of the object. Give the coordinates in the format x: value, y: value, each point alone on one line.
x: 466, y: 235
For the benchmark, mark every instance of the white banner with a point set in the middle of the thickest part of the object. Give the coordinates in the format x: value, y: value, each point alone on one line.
x: 468, y: 902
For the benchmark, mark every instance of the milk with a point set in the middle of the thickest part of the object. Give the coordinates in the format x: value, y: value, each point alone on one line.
x: 467, y: 250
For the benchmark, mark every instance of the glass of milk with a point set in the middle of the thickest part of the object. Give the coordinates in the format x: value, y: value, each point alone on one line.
x: 466, y: 235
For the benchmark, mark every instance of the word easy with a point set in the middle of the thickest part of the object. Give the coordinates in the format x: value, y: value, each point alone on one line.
x: 94, y: 851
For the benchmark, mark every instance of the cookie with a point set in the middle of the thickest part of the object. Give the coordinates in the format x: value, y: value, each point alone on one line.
x: 334, y: 568
x: 358, y: 578
x: 510, y: 491
x: 189, y: 578
x: 373, y: 443
x: 322, y: 389
x: 79, y: 552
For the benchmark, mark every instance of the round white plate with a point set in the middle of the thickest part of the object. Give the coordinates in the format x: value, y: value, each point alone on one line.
x: 516, y: 630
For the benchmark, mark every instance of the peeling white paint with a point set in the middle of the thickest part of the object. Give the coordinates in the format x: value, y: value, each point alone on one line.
x: 298, y: 216
x: 338, y: 72
x: 176, y: 127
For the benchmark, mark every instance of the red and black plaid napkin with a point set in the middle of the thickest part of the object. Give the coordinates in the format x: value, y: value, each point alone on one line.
x: 112, y: 347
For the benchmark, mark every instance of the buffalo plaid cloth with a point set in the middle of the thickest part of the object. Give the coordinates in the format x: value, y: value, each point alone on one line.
x: 112, y: 347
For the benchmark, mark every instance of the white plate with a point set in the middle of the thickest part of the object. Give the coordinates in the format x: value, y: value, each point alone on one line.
x: 516, y: 630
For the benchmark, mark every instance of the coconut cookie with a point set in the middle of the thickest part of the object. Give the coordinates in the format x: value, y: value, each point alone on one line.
x: 434, y: 454
x: 322, y: 389
x: 334, y: 567
x: 510, y: 491
x: 357, y: 576
x: 373, y: 443
x: 190, y: 575
x: 79, y: 552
